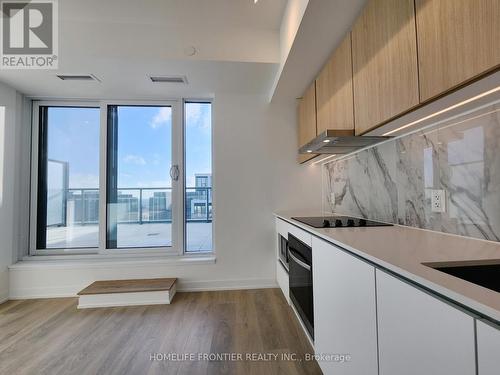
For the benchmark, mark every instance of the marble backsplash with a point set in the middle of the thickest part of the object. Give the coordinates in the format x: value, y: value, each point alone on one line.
x: 393, y: 181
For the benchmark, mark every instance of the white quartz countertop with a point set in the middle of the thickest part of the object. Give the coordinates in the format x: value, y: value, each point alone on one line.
x: 404, y: 250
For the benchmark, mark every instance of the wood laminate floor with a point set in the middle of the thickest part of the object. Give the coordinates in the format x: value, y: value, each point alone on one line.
x: 51, y: 336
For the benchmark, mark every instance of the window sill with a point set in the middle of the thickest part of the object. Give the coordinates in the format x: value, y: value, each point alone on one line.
x: 100, y: 261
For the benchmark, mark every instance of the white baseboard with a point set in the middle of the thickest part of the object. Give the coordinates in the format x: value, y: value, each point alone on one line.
x: 238, y: 284
x: 184, y: 286
x: 4, y: 296
x: 46, y: 292
x: 163, y: 297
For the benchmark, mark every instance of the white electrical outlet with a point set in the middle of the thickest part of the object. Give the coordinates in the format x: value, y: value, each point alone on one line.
x: 438, y: 201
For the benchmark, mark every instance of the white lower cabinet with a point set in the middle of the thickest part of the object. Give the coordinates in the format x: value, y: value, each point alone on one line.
x: 488, y: 349
x: 282, y: 278
x: 419, y: 334
x: 284, y: 228
x: 344, y: 311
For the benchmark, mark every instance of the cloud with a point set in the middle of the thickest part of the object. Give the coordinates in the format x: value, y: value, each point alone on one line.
x: 196, y: 115
x: 193, y: 112
x: 163, y: 116
x: 156, y: 160
x: 134, y: 159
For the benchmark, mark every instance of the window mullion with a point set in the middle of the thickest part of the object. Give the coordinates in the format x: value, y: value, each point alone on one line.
x: 102, y: 178
x: 178, y: 185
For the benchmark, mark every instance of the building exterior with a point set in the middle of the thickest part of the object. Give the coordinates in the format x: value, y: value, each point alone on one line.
x: 199, y: 198
x: 160, y: 207
x: 82, y: 205
x: 85, y: 206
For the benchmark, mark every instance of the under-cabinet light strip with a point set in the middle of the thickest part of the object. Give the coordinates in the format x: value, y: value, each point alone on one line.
x: 444, y: 110
x: 463, y: 121
x: 479, y: 96
x: 324, y: 159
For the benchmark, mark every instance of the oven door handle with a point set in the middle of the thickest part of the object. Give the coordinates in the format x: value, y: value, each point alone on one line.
x: 298, y: 261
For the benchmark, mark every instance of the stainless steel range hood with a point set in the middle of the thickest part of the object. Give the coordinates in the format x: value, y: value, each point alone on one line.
x: 339, y: 142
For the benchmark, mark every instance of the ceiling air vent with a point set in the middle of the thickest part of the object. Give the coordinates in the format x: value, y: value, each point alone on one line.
x: 78, y: 77
x: 168, y: 79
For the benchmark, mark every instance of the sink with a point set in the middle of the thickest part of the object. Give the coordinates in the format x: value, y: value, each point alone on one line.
x: 485, y: 275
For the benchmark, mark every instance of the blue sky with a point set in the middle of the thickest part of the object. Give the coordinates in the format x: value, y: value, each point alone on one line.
x: 73, y: 137
x: 144, y: 144
x: 198, y: 135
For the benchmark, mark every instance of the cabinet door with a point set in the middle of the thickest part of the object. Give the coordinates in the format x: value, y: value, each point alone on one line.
x: 457, y: 41
x: 384, y: 50
x: 334, y: 100
x: 344, y: 310
x: 419, y: 334
x: 307, y: 120
x: 282, y: 278
x: 488, y: 349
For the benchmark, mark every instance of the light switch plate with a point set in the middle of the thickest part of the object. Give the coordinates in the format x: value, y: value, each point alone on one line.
x: 438, y: 200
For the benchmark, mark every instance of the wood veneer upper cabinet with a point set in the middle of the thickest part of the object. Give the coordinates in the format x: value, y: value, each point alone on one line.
x: 457, y: 41
x: 384, y: 52
x: 307, y: 120
x: 334, y: 97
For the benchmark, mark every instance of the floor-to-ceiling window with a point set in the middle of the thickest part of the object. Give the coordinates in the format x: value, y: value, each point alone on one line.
x: 139, y: 186
x: 198, y: 176
x: 116, y: 177
x: 68, y: 177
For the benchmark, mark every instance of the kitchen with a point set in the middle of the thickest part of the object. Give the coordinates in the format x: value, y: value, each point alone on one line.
x: 286, y: 186
x: 400, y: 267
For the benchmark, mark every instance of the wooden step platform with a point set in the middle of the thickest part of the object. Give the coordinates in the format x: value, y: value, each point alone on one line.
x: 109, y: 293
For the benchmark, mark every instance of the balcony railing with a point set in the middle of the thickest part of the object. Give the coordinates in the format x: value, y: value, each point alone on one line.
x: 80, y: 206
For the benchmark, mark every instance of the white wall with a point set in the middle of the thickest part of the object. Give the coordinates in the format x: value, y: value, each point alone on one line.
x: 255, y: 173
x: 14, y: 169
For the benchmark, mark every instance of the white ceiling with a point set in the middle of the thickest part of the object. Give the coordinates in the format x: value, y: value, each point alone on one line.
x: 266, y: 14
x: 237, y: 42
x: 122, y: 41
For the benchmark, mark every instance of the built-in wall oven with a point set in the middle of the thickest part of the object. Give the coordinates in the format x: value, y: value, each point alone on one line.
x: 300, y: 281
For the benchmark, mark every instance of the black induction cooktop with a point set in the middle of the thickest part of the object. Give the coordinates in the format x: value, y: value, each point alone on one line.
x: 338, y: 222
